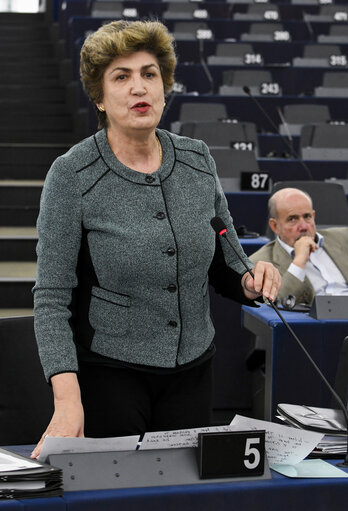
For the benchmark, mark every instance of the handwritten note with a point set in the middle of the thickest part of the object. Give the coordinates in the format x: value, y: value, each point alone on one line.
x: 284, y: 445
x: 178, y: 438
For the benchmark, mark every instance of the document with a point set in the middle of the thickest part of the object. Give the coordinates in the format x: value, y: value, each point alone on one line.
x: 284, y: 445
x: 178, y: 438
x: 59, y: 445
x: 21, y: 477
x: 310, y: 468
x: 10, y: 462
x: 286, y: 448
x: 326, y: 420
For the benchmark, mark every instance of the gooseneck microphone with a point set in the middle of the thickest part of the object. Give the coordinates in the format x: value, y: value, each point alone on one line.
x: 205, y: 66
x: 220, y: 228
x: 289, y: 146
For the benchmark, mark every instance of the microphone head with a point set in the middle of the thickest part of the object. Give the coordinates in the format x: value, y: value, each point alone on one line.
x: 218, y: 225
x: 247, y: 90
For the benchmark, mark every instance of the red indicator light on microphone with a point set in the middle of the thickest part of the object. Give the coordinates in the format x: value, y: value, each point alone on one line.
x: 223, y: 231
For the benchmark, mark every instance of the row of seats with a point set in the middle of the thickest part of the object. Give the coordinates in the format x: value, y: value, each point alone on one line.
x: 311, y: 123
x: 199, y: 10
x: 235, y: 146
x: 238, y: 61
x: 227, y: 29
x: 310, y: 55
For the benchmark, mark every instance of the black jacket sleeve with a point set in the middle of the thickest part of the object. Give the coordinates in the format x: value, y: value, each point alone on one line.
x: 225, y: 280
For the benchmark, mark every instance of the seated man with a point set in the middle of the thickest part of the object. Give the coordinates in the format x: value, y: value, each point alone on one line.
x: 309, y: 262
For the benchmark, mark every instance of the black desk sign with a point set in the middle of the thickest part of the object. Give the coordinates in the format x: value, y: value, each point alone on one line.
x: 231, y: 454
x: 256, y: 181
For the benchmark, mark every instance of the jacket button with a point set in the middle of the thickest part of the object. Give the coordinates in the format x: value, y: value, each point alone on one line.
x: 160, y: 215
x: 172, y: 323
x: 149, y: 179
x: 171, y: 251
x: 171, y: 288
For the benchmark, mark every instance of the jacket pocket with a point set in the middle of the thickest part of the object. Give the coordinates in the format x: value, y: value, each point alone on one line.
x: 109, y: 311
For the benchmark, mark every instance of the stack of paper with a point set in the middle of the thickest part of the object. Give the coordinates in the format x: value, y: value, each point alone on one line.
x: 22, y: 477
x: 287, y: 447
x: 323, y: 420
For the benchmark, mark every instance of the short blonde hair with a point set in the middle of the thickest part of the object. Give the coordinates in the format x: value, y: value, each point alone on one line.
x: 120, y: 38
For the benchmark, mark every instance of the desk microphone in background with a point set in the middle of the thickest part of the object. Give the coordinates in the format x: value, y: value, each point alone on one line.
x: 220, y: 228
x: 309, y: 27
x: 286, y: 126
x: 289, y: 144
x: 205, y: 66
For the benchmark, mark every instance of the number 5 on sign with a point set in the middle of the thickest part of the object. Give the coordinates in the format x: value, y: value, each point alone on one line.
x: 231, y: 454
x: 252, y: 454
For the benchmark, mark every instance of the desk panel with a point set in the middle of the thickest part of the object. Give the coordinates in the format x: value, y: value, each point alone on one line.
x: 289, y: 376
x: 278, y: 493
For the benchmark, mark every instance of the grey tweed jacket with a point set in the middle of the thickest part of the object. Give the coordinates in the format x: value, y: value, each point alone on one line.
x: 123, y: 256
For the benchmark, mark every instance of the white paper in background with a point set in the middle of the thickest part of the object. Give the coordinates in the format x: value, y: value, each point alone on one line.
x: 284, y: 445
x: 60, y: 445
x: 9, y: 463
x: 178, y: 438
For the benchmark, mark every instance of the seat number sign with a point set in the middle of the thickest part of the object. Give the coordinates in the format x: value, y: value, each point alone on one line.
x: 255, y: 181
x: 232, y: 454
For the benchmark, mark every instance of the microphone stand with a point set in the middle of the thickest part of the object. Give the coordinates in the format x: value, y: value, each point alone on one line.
x: 222, y: 232
x: 289, y: 146
x: 205, y: 67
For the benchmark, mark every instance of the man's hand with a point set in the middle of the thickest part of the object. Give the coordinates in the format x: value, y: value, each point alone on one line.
x: 303, y: 248
x: 266, y: 281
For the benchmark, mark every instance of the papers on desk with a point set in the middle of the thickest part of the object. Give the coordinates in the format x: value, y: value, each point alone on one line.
x: 331, y: 446
x: 9, y: 462
x: 178, y: 438
x: 286, y: 448
x: 21, y: 477
x: 325, y: 420
x: 284, y: 445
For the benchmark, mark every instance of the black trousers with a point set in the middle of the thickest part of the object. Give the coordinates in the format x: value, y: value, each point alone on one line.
x: 123, y: 401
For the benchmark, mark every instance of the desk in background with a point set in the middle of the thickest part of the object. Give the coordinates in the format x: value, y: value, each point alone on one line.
x: 289, y: 376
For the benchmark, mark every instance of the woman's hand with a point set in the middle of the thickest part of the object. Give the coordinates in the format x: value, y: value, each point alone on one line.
x: 68, y: 417
x: 266, y: 281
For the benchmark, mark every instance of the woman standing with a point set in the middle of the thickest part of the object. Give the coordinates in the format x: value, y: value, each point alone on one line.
x: 125, y: 245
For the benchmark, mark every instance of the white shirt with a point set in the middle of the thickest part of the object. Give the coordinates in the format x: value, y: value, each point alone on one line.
x: 320, y: 269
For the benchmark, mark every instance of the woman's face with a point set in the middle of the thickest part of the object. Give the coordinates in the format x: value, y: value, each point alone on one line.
x: 133, y: 92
